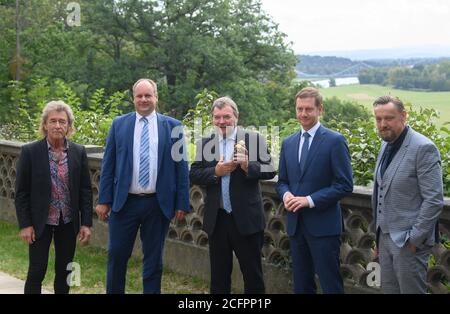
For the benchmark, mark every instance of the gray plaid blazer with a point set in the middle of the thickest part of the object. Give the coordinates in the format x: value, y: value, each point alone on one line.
x: 412, y: 189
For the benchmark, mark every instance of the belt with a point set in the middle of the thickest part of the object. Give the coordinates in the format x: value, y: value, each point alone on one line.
x: 142, y: 195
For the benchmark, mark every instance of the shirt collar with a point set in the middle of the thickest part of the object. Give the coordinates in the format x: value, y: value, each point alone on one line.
x: 66, y: 144
x: 231, y: 136
x: 313, y: 130
x: 149, y: 117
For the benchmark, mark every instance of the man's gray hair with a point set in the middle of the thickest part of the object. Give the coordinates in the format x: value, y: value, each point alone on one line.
x: 225, y: 101
x: 59, y: 106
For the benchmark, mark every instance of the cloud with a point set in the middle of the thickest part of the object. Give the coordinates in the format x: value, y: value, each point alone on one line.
x: 325, y: 25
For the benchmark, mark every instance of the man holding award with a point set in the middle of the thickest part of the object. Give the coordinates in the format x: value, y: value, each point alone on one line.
x: 230, y: 163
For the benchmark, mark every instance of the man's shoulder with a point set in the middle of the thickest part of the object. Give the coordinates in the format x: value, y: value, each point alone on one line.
x: 330, y: 132
x: 291, y: 137
x: 124, y: 117
x: 205, y: 139
x: 76, y: 146
x: 170, y: 120
x: 247, y: 133
x: 419, y: 139
x: 33, y: 145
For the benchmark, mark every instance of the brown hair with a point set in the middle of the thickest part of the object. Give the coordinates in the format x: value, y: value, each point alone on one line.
x: 308, y: 92
x: 384, y: 100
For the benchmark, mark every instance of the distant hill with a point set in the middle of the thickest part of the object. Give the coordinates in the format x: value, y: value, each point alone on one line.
x: 430, y: 51
x: 317, y: 65
x: 310, y: 66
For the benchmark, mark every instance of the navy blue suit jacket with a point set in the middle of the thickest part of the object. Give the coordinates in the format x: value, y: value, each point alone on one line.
x: 327, y: 179
x: 172, y: 185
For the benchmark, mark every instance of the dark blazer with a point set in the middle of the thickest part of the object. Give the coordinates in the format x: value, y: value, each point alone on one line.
x: 172, y: 186
x: 245, y: 191
x: 33, y: 186
x: 327, y: 179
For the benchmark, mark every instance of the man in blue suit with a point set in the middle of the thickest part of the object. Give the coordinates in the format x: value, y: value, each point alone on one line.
x: 315, y: 172
x: 144, y: 183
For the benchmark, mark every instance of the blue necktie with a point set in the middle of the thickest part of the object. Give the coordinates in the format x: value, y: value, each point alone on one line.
x: 226, y: 182
x: 305, y: 149
x: 144, y: 155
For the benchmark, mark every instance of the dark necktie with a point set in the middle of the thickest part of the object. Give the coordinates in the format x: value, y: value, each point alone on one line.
x: 385, y: 160
x: 305, y: 149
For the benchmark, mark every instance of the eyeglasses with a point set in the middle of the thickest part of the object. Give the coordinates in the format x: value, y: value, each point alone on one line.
x: 61, y: 122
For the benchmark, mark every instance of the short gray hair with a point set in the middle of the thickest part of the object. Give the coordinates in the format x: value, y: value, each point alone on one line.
x: 152, y: 83
x: 225, y: 101
x: 59, y: 106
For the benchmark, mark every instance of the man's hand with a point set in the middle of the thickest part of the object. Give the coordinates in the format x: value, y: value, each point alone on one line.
x: 224, y: 168
x: 241, y: 158
x: 84, y: 235
x: 179, y: 214
x: 27, y: 234
x: 288, y: 196
x: 411, y: 247
x: 296, y: 203
x: 102, y: 211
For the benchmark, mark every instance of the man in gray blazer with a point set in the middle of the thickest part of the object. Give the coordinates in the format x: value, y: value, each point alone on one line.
x: 407, y: 199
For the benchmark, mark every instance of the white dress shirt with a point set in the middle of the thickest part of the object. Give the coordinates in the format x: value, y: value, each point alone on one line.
x: 312, y: 133
x: 135, y: 188
x: 230, y: 145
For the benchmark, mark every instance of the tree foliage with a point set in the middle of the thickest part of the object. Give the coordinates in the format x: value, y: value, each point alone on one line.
x: 434, y: 77
x: 230, y: 46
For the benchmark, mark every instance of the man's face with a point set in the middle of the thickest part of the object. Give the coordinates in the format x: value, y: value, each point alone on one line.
x: 390, y: 121
x: 223, y: 118
x: 307, y: 112
x: 57, y: 125
x: 144, y: 98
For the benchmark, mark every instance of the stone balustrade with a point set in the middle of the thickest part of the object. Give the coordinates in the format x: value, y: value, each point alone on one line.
x: 186, y: 248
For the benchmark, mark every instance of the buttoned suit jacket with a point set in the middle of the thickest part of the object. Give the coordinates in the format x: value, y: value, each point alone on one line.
x: 172, y: 184
x: 327, y: 178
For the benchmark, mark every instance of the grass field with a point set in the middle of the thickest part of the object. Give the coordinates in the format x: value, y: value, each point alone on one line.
x: 92, y: 260
x: 366, y: 94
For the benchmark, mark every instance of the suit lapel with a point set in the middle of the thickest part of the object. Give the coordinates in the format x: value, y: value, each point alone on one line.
x: 70, y: 163
x: 377, y: 164
x: 215, y: 144
x: 317, y: 140
x: 292, y: 152
x: 129, y: 138
x: 45, y: 161
x: 398, y: 158
x: 162, y: 136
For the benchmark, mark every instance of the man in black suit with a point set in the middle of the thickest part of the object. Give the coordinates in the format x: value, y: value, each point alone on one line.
x: 230, y: 164
x: 53, y: 197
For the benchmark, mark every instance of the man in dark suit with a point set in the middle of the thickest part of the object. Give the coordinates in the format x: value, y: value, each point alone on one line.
x: 230, y: 164
x: 144, y: 183
x: 53, y: 197
x: 314, y: 174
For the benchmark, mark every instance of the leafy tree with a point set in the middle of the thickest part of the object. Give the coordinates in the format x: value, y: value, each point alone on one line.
x: 188, y: 45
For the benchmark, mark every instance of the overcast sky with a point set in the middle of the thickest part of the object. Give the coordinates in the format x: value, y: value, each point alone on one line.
x: 329, y: 25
